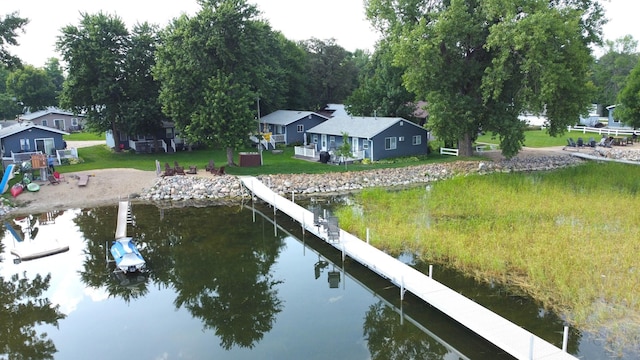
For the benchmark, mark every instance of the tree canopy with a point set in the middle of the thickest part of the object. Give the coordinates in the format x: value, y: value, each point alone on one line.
x: 214, y: 66
x: 481, y: 64
x: 9, y: 26
x: 628, y: 108
x: 610, y: 71
x: 32, y: 87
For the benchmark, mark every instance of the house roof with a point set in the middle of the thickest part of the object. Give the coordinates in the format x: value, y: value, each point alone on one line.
x: 362, y: 127
x: 286, y: 117
x: 24, y: 126
x: 49, y: 110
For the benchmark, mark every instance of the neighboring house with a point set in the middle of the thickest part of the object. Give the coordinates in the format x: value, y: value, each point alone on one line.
x: 55, y: 118
x: 612, y: 121
x: 333, y: 110
x: 289, y: 126
x: 166, y: 136
x: 27, y: 137
x: 372, y: 138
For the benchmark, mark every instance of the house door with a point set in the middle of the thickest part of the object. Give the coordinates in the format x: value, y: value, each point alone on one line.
x: 46, y: 146
x: 323, y: 142
x: 355, y: 145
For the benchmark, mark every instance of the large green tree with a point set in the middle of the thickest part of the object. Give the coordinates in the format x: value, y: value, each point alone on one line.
x: 32, y: 87
x: 610, y: 71
x: 9, y: 26
x: 141, y: 111
x: 480, y: 64
x: 628, y: 108
x: 95, y: 53
x: 333, y: 73
x: 381, y: 91
x: 9, y: 106
x: 213, y: 67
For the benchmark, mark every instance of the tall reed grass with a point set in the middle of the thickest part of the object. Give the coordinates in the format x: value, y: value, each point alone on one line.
x: 569, y: 238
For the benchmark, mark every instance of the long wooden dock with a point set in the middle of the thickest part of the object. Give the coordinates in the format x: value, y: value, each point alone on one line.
x: 513, y: 339
x: 124, y: 214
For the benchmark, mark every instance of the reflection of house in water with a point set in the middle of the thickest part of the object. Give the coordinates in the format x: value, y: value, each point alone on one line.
x: 25, y: 246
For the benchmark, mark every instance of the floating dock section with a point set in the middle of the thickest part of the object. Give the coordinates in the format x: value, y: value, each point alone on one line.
x: 124, y: 217
x: 502, y: 333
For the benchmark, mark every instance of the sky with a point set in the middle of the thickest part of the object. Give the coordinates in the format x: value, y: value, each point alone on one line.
x: 343, y: 20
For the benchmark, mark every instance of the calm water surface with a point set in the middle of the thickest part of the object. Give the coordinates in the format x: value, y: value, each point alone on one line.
x: 227, y: 283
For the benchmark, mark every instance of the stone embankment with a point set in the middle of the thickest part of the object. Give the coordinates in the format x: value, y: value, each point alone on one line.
x: 195, y: 189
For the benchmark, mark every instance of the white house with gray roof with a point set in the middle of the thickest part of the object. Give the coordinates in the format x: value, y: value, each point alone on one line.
x: 373, y: 138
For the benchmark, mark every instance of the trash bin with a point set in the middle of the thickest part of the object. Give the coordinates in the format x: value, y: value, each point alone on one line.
x: 324, y: 157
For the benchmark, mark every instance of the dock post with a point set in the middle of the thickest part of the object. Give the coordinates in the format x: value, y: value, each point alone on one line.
x: 342, y: 248
x: 274, y: 204
x: 565, y: 339
x: 293, y: 196
x: 367, y: 235
x: 531, y: 348
x: 430, y: 271
x: 402, y: 290
x: 303, y: 223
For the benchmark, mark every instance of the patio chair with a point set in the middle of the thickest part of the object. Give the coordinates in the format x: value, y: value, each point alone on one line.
x: 592, y: 142
x: 211, y: 167
x: 52, y: 180
x: 179, y: 170
x: 580, y: 142
x: 168, y: 170
x: 220, y: 171
x: 570, y: 144
x: 192, y: 169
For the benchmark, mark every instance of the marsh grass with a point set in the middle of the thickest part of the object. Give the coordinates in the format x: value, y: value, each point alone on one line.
x: 569, y: 238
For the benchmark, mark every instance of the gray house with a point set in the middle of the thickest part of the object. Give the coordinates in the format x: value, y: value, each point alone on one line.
x: 372, y: 138
x: 55, y: 118
x: 26, y: 137
x: 289, y: 126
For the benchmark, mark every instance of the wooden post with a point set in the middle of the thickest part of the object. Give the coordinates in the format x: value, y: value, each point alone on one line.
x: 430, y: 271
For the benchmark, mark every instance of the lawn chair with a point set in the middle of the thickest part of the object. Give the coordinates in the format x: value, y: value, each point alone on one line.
x: 179, y: 170
x: 592, y: 142
x: 211, y: 167
x: 192, y: 169
x: 570, y: 144
x: 52, y: 180
x: 580, y: 142
x: 220, y: 171
x: 168, y: 171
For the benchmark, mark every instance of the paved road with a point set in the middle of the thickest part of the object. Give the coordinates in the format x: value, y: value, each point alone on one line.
x: 81, y: 144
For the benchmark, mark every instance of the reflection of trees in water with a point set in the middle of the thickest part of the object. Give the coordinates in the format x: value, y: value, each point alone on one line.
x: 219, y: 270
x: 387, y: 338
x: 21, y: 309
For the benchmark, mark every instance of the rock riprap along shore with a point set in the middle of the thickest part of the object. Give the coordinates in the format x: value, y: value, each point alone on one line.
x: 181, y: 188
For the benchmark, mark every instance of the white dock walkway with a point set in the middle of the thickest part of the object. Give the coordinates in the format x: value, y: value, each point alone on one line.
x: 123, y: 217
x: 504, y: 334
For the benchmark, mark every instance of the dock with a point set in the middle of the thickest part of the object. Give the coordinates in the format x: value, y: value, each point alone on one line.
x: 513, y: 339
x: 124, y: 218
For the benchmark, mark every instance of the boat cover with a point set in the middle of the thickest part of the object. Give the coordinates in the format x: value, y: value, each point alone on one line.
x: 126, y: 255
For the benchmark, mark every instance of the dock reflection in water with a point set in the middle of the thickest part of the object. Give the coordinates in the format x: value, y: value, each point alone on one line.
x: 220, y: 285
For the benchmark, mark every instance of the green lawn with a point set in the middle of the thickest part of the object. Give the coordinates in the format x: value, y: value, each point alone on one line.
x: 533, y: 138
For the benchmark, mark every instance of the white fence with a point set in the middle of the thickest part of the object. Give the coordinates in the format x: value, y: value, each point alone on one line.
x: 448, y: 151
x: 66, y: 154
x: 602, y: 131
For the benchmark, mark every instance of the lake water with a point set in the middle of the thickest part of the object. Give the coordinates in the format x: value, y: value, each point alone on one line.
x: 225, y: 282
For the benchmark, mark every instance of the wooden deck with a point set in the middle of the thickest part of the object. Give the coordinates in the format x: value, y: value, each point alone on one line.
x: 504, y: 334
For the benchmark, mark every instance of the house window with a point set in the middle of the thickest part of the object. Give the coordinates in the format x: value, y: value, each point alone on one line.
x: 74, y: 121
x: 24, y: 145
x: 390, y: 143
x: 365, y: 145
x: 401, y: 138
x: 58, y: 124
x: 45, y: 123
x: 417, y: 139
x: 169, y: 133
x: 315, y: 139
x: 300, y: 128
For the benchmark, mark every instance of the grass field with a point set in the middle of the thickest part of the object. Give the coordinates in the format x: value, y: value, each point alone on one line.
x: 569, y: 237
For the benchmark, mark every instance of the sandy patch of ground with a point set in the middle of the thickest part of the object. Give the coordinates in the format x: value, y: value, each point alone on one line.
x: 104, y: 187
